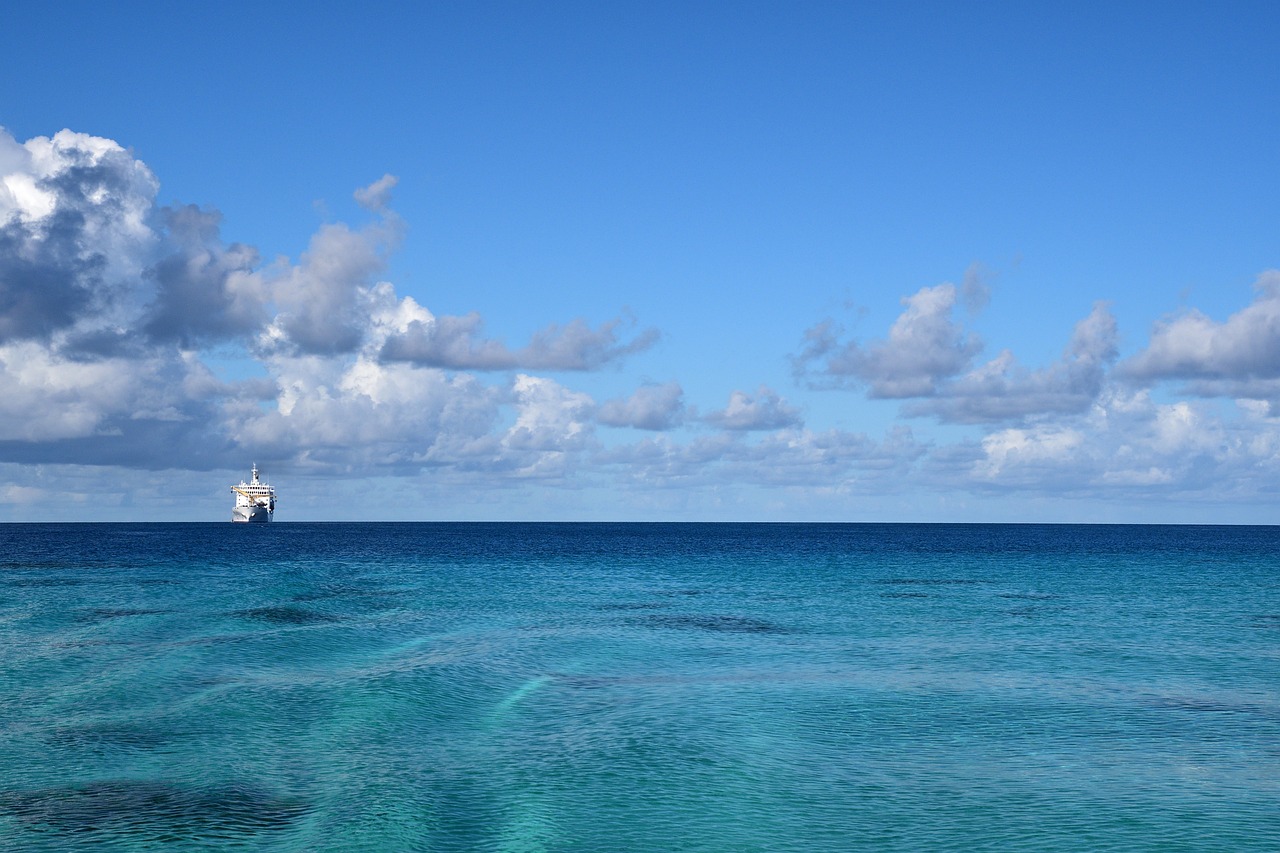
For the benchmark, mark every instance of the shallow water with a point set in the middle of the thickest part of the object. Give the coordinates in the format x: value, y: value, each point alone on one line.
x: 639, y: 687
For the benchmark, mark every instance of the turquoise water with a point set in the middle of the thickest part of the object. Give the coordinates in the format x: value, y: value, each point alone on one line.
x: 299, y: 687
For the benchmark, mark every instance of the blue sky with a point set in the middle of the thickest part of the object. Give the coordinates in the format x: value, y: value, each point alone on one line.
x: 917, y: 262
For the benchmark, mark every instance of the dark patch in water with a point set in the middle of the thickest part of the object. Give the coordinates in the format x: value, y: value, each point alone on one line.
x: 89, y: 643
x: 1203, y: 706
x: 1031, y: 611
x: 718, y: 623
x: 1267, y: 620
x: 928, y: 581
x: 1027, y: 596
x: 904, y: 595
x: 674, y: 592
x: 111, y: 735
x: 286, y: 615
x: 633, y: 605
x: 43, y: 582
x: 588, y: 682
x: 154, y: 811
x: 100, y: 614
x: 19, y: 565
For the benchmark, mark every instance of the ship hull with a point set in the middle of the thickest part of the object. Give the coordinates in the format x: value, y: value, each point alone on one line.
x: 255, y: 500
x: 251, y: 514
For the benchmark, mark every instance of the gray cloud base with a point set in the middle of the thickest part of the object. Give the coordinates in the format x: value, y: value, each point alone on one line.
x: 455, y: 343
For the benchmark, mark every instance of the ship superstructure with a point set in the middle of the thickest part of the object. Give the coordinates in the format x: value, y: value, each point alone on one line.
x: 255, y: 500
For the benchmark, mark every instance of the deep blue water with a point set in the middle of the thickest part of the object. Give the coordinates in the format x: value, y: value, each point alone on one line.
x: 601, y: 687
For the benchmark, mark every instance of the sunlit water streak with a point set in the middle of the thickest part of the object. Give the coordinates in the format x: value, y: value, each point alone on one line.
x: 297, y: 687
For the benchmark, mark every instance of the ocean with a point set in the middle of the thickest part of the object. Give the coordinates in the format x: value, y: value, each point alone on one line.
x: 639, y: 687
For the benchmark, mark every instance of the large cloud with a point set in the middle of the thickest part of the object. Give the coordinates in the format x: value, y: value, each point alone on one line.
x: 162, y: 410
x: 206, y: 291
x: 115, y: 314
x: 552, y: 424
x: 927, y: 356
x: 1127, y: 444
x: 925, y: 346
x: 1071, y: 429
x: 1002, y: 390
x: 338, y: 416
x: 320, y: 299
x: 1240, y: 356
x: 73, y: 232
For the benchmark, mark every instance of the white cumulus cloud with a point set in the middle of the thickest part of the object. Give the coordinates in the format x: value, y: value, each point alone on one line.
x: 924, y: 348
x: 1239, y: 356
x: 651, y: 407
x: 763, y: 411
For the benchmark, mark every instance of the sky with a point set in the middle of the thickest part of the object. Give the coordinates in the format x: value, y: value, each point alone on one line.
x: 934, y: 262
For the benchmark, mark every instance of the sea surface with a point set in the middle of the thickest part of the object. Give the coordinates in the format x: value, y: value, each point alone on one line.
x: 639, y: 687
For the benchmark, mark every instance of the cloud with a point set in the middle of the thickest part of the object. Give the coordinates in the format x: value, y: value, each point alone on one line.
x: 926, y: 360
x: 45, y: 285
x: 377, y: 195
x: 44, y: 397
x: 1126, y: 445
x: 549, y: 416
x: 320, y: 300
x: 924, y: 348
x: 975, y: 292
x: 1243, y: 349
x: 765, y: 411
x: 134, y: 337
x: 801, y: 458
x: 73, y: 231
x: 1001, y: 390
x: 651, y: 407
x: 83, y: 247
x: 1266, y: 390
x: 112, y: 310
x: 336, y: 416
x: 456, y: 343
x: 1027, y: 448
x: 206, y: 291
x: 161, y: 410
x: 1069, y: 428
x: 552, y: 423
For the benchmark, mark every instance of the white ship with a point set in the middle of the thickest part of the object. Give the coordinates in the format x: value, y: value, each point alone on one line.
x: 255, y: 501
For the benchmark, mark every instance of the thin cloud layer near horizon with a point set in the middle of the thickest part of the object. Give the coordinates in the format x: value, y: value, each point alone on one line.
x: 652, y: 262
